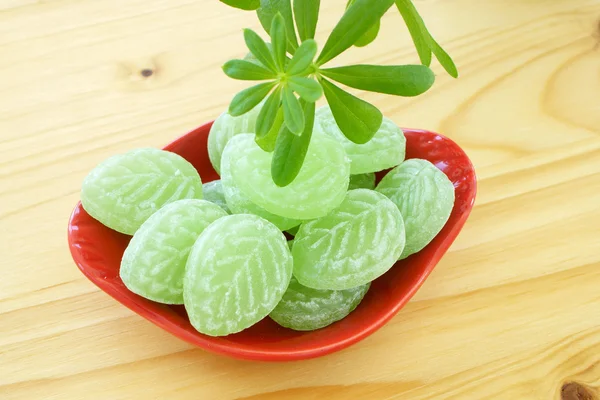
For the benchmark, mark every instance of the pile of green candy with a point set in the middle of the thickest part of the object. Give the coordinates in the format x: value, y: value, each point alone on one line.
x: 219, y: 248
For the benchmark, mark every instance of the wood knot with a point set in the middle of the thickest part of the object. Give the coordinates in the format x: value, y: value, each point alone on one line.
x: 146, y: 72
x: 576, y: 391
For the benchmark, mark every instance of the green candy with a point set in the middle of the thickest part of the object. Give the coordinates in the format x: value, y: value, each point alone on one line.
x: 362, y: 181
x: 224, y: 128
x: 306, y: 309
x: 356, y: 243
x: 125, y: 190
x: 237, y: 272
x: 425, y: 197
x: 213, y: 192
x: 153, y: 264
x: 239, y: 203
x: 385, y: 150
x: 319, y: 187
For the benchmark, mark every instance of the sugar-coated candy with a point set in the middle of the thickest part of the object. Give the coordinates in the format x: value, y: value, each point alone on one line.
x: 126, y: 189
x: 319, y: 187
x: 239, y: 203
x: 362, y: 181
x: 357, y: 242
x: 306, y: 309
x: 385, y: 150
x: 213, y: 192
x: 425, y: 197
x: 224, y: 128
x: 237, y: 272
x: 153, y: 264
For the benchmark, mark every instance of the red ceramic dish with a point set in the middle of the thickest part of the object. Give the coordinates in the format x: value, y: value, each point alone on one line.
x: 97, y: 251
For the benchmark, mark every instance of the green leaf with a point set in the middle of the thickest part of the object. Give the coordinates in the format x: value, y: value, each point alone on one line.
x: 259, y: 49
x: 248, y: 5
x: 399, y: 80
x: 267, y: 11
x: 424, y: 42
x: 303, y: 58
x: 290, y: 150
x: 355, y: 22
x: 268, y: 113
x: 357, y: 119
x: 249, y: 98
x: 278, y: 40
x: 369, y: 36
x: 247, y: 71
x: 306, y: 13
x: 444, y: 59
x: 292, y: 112
x: 252, y: 58
x: 267, y: 142
x: 416, y: 28
x: 308, y: 89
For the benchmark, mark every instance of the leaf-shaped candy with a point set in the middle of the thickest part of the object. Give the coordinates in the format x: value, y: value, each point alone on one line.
x: 357, y: 242
x: 319, y: 187
x: 385, y: 150
x: 239, y: 203
x: 126, y: 189
x: 237, y: 272
x: 153, y: 264
x: 306, y: 309
x: 213, y: 192
x: 425, y: 197
x: 224, y: 128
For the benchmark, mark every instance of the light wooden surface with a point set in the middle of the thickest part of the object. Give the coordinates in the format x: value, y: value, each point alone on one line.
x: 512, y: 311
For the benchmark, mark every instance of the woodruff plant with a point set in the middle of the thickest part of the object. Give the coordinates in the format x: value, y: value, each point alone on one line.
x: 295, y: 77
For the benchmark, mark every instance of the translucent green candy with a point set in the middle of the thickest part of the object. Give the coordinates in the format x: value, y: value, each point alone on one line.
x: 224, y: 128
x: 240, y: 203
x: 359, y: 241
x: 125, y: 190
x: 306, y: 309
x: 385, y: 150
x: 213, y: 192
x: 153, y: 264
x: 425, y: 197
x: 319, y: 187
x: 236, y: 274
x: 362, y: 181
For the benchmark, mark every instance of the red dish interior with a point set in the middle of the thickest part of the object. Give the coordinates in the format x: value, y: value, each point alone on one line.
x: 97, y: 251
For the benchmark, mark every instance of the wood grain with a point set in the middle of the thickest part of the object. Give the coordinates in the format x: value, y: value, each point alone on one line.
x: 513, y: 310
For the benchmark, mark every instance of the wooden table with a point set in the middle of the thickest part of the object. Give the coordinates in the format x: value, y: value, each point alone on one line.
x: 512, y: 311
